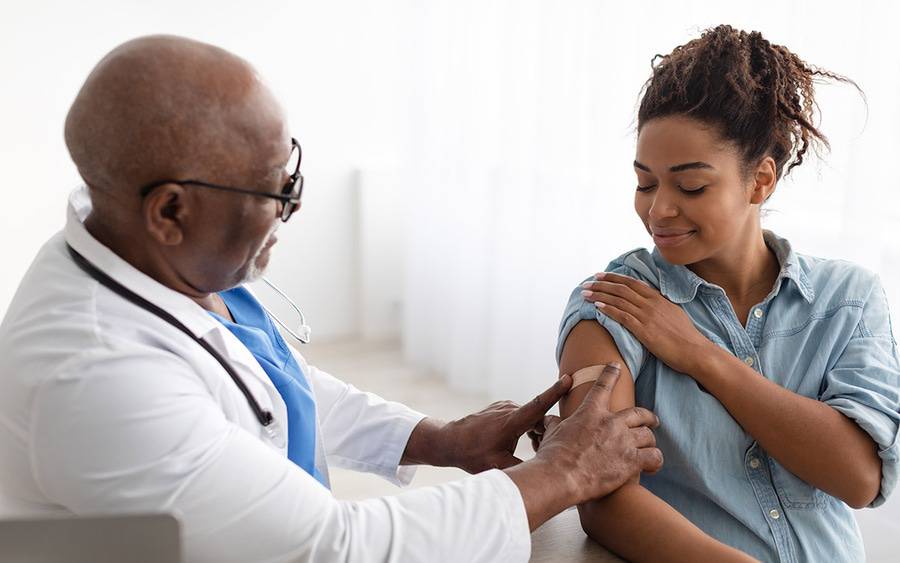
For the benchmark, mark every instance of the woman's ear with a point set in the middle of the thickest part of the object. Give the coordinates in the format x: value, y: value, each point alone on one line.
x: 164, y: 212
x: 764, y: 179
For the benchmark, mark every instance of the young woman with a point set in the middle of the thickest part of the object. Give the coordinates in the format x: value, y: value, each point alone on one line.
x: 775, y: 374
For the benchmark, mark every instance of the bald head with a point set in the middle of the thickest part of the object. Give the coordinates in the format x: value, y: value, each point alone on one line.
x: 165, y: 107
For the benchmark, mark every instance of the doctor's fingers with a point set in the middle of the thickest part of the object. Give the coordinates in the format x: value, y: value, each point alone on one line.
x: 642, y: 437
x: 542, y: 426
x: 546, y: 425
x: 597, y: 399
x: 528, y: 415
x: 650, y: 460
x: 638, y: 416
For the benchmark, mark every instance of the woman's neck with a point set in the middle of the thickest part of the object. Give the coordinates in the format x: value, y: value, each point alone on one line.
x: 747, y: 271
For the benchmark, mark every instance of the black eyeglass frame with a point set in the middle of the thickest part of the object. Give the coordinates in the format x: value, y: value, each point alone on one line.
x: 289, y: 196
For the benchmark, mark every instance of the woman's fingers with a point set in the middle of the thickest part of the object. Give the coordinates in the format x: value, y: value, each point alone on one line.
x: 640, y: 287
x: 611, y: 288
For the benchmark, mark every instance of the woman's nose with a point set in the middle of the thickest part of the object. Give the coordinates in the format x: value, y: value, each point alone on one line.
x: 663, y: 206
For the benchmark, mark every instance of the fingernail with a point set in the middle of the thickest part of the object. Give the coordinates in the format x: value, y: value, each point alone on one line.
x: 614, y: 365
x: 586, y: 293
x: 599, y: 304
x: 587, y: 285
x: 600, y: 275
x: 565, y: 379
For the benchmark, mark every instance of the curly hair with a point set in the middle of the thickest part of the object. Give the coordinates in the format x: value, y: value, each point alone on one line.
x: 757, y: 95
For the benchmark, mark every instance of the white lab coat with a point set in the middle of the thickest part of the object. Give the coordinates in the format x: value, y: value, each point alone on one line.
x: 107, y: 409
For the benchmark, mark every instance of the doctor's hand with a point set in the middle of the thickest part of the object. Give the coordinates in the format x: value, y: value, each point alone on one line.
x: 486, y: 439
x: 588, y: 455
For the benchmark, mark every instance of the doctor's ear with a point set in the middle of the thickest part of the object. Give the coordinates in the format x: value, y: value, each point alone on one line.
x: 763, y: 180
x: 164, y: 211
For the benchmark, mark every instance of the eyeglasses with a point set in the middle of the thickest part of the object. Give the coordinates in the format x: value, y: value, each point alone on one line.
x: 289, y: 196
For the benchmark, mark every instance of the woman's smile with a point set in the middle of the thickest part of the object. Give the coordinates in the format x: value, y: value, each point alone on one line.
x: 671, y: 237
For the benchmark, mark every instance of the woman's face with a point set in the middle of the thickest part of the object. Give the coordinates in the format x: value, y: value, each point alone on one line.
x: 692, y: 195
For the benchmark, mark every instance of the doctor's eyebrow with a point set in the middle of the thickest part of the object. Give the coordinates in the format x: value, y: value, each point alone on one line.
x: 678, y: 167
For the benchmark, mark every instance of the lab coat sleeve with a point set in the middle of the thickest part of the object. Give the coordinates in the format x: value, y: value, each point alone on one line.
x: 361, y: 431
x: 138, y: 432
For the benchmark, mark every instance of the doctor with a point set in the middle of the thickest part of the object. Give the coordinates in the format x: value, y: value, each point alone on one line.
x: 138, y: 375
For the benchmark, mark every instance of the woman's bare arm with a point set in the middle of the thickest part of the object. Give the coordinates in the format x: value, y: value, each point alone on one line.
x: 632, y: 521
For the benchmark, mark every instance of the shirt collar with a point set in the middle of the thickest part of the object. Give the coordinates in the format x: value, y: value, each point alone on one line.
x: 679, y: 284
x: 192, y: 315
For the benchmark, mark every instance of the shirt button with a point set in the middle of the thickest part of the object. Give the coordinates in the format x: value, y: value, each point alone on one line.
x: 774, y: 514
x: 754, y: 463
x: 758, y: 313
x: 748, y: 360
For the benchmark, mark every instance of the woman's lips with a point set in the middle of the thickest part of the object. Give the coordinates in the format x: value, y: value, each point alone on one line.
x: 670, y: 240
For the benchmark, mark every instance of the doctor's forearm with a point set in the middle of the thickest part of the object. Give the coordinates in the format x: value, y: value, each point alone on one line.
x: 808, y: 437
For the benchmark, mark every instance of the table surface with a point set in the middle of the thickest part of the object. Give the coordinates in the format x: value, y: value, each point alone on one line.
x: 562, y: 539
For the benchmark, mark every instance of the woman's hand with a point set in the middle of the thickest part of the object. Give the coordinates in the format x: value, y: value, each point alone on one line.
x: 661, y: 326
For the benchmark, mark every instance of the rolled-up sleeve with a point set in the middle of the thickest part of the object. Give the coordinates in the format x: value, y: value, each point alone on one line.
x: 577, y: 309
x: 864, y: 385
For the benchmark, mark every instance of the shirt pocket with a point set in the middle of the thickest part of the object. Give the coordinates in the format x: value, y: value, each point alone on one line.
x: 794, y: 492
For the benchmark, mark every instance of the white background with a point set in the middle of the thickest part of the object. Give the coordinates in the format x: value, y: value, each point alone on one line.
x: 466, y: 162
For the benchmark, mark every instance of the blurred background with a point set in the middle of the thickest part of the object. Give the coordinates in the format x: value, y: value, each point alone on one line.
x: 467, y: 163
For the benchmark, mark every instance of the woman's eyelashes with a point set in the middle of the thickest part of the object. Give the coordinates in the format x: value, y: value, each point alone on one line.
x: 684, y: 189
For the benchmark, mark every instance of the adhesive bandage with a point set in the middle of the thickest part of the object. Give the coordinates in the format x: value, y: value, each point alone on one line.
x: 586, y: 375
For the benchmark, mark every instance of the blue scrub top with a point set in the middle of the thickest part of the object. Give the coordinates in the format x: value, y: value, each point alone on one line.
x: 257, y: 332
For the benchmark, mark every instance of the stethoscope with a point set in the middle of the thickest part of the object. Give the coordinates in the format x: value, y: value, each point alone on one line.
x: 265, y: 417
x: 304, y: 329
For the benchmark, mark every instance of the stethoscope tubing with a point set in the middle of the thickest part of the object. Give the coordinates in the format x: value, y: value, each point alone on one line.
x: 264, y: 417
x: 305, y: 331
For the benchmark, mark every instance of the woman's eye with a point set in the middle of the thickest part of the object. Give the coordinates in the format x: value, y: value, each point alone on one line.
x: 684, y: 189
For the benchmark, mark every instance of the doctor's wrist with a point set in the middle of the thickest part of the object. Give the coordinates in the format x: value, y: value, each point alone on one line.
x: 543, y: 493
x: 428, y: 444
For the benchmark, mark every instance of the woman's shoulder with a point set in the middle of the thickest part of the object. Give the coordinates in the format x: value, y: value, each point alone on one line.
x: 638, y: 263
x: 838, y: 278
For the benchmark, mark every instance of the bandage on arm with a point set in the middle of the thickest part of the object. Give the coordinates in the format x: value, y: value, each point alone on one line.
x: 587, y: 374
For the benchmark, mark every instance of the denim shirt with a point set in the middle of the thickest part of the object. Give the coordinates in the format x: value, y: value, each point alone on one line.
x: 823, y: 332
